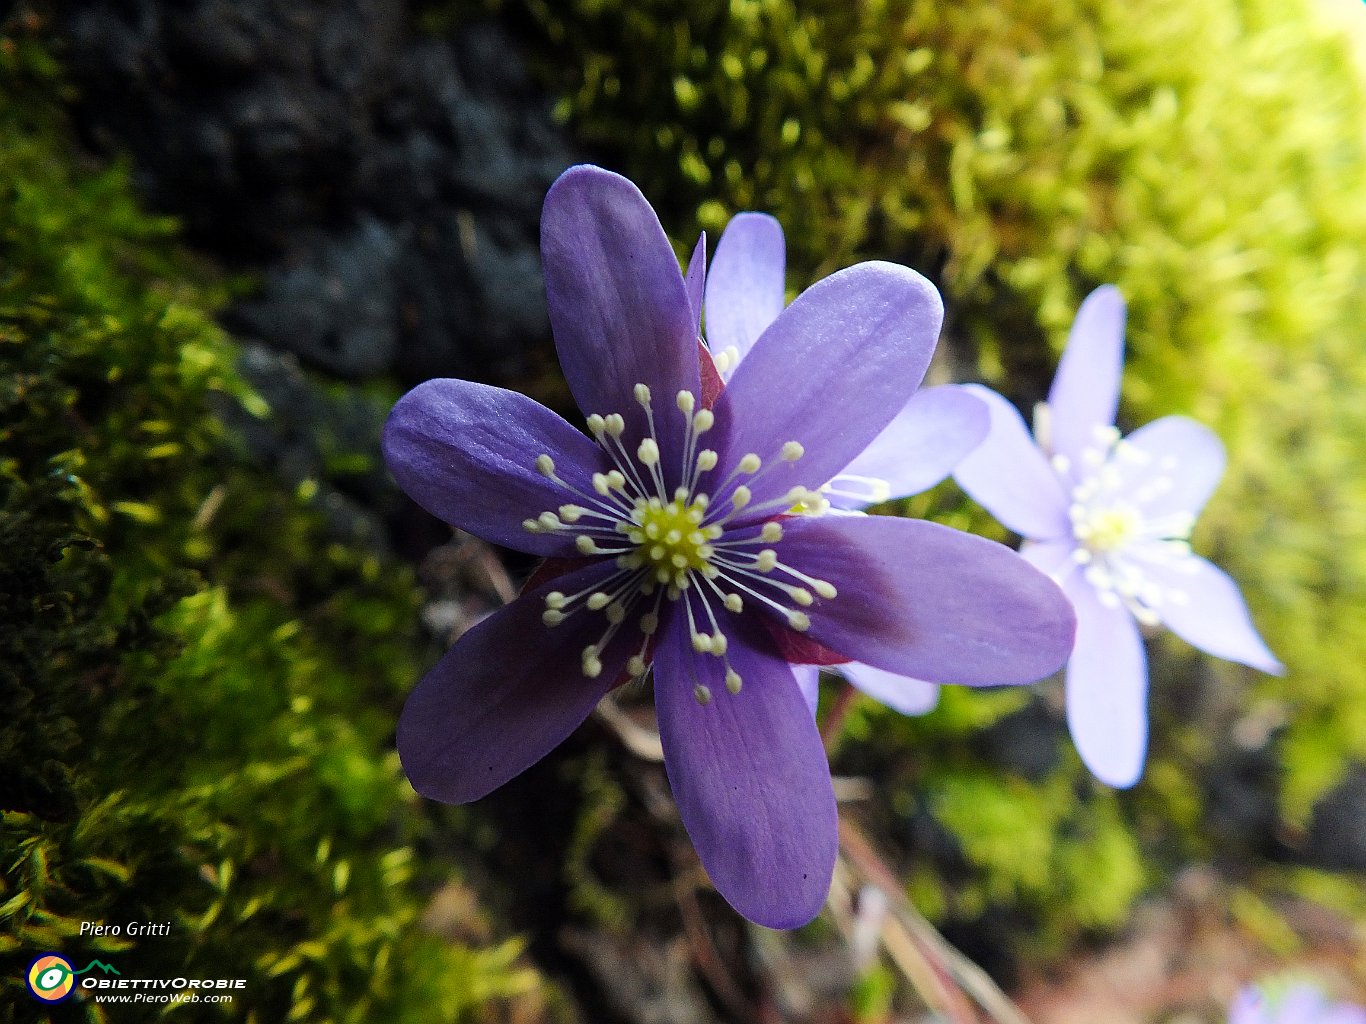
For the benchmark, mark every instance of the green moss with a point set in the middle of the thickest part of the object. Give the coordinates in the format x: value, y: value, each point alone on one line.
x: 1207, y: 157
x: 198, y: 683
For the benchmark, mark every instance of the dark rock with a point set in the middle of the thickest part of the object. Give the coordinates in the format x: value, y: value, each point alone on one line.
x: 320, y: 438
x: 333, y: 304
x: 389, y: 187
x: 1028, y: 741
x: 1241, y: 789
x: 1337, y: 832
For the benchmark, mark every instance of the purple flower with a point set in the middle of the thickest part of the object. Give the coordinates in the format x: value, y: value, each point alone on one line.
x: 674, y: 533
x: 1297, y: 1004
x: 930, y: 435
x: 1110, y: 518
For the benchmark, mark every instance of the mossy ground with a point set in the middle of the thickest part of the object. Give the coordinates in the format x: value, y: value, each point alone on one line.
x: 198, y: 684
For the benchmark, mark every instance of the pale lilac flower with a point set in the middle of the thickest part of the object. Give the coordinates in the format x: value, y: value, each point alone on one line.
x: 1299, y: 1003
x: 1110, y: 519
x: 673, y: 535
x: 935, y: 429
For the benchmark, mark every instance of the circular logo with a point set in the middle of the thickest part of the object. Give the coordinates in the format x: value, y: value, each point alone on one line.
x: 51, y: 978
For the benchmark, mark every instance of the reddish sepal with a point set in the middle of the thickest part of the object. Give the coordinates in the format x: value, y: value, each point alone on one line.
x: 712, y: 384
x: 800, y: 649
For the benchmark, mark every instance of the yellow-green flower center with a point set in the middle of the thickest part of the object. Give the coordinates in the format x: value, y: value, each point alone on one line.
x: 1111, y: 528
x: 670, y: 538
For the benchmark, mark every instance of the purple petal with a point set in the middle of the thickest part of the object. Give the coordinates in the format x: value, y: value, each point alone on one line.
x: 1302, y: 1004
x: 1248, y: 1007
x: 1107, y: 688
x: 1009, y: 477
x: 829, y: 373
x: 617, y: 301
x: 745, y: 290
x: 697, y: 275
x: 750, y: 777
x: 1210, y: 613
x: 933, y: 433
x: 1052, y: 557
x: 922, y: 600
x: 900, y: 693
x: 508, y: 692
x: 809, y: 682
x: 1085, y: 392
x: 1186, y: 460
x: 467, y: 453
x: 1343, y: 1013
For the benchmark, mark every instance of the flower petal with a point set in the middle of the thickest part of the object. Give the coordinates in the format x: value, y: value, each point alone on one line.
x: 1052, y: 557
x: 1210, y: 613
x: 695, y: 280
x: 508, y: 692
x: 1107, y: 688
x: 1009, y: 477
x: 932, y: 434
x: 750, y: 777
x: 467, y: 453
x: 809, y: 682
x: 829, y: 373
x: 618, y: 305
x: 903, y: 694
x: 922, y: 600
x: 745, y: 290
x: 1085, y: 391
x: 1186, y: 460
x: 1248, y: 1007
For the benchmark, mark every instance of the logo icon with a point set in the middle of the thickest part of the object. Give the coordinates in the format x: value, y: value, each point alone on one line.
x: 51, y: 978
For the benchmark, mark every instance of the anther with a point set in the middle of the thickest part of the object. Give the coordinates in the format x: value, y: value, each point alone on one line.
x: 734, y: 604
x: 792, y: 451
x: 549, y: 521
x: 615, y: 424
x: 706, y: 460
x: 616, y: 612
x: 799, y: 621
x: 551, y: 617
x: 703, y: 420
x: 767, y: 560
x: 733, y: 681
x: 648, y: 452
x: 649, y: 623
x: 572, y: 513
x: 740, y: 496
x: 701, y: 694
x: 771, y: 533
x: 701, y: 643
x: 555, y: 599
x: 585, y: 545
x: 686, y: 402
x: 636, y: 665
x: 802, y: 597
x: 597, y: 601
x: 749, y: 464
x: 824, y: 589
x: 546, y: 465
x: 642, y: 393
x: 596, y: 425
